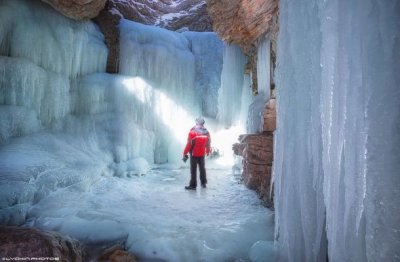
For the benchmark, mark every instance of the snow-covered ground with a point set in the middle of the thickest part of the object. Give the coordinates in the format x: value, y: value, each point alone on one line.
x: 158, y: 218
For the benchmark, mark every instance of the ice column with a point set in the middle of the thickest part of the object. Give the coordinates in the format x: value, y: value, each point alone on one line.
x: 257, y: 105
x: 298, y: 175
x: 337, y: 151
x: 263, y: 67
x: 231, y: 86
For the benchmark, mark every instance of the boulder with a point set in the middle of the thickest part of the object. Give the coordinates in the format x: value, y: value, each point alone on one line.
x: 117, y: 254
x: 31, y: 242
x: 242, y: 22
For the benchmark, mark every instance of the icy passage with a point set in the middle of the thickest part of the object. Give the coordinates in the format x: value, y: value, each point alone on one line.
x: 159, y: 219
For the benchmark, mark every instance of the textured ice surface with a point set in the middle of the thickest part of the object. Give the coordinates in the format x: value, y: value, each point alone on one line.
x: 35, y: 31
x: 262, y: 251
x: 337, y: 156
x: 208, y: 50
x: 264, y: 67
x: 34, y: 166
x: 183, y: 77
x: 40, y: 53
x: 229, y: 99
x: 159, y: 219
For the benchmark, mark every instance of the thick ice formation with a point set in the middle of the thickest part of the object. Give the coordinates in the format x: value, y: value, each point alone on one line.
x: 178, y: 71
x: 337, y: 156
x: 229, y: 99
x: 264, y: 67
x: 58, y: 44
x: 41, y: 53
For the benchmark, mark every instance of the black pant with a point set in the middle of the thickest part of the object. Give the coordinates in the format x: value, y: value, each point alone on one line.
x: 194, y: 161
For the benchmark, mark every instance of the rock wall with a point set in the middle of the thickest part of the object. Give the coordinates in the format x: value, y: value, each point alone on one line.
x: 257, y: 153
x: 78, y: 9
x: 108, y: 22
x: 242, y: 22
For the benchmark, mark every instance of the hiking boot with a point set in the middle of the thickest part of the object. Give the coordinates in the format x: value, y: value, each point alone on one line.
x: 203, y: 185
x: 190, y: 187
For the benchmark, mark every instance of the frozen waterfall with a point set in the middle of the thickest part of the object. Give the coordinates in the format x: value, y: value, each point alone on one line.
x: 337, y: 156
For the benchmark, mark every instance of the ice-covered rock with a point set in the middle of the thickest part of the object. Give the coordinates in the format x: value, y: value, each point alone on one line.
x: 175, y: 15
x: 169, y: 14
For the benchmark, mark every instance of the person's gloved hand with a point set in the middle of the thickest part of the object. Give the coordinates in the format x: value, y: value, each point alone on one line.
x: 185, y: 158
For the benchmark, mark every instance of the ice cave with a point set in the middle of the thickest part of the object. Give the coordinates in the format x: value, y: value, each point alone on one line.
x: 297, y: 104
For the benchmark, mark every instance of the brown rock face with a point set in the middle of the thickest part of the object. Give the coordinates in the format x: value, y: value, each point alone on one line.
x: 108, y: 22
x: 242, y: 22
x: 117, y: 254
x: 30, y: 242
x: 257, y: 153
x: 78, y: 9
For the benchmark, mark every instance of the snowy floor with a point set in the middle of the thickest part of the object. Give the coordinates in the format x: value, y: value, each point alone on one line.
x: 160, y: 220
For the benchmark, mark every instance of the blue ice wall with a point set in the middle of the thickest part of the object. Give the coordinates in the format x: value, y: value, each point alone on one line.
x: 337, y: 154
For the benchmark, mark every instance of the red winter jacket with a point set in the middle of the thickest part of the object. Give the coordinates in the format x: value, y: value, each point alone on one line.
x: 198, y: 142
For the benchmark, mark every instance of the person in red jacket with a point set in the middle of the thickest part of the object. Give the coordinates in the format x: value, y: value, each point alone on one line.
x: 198, y: 145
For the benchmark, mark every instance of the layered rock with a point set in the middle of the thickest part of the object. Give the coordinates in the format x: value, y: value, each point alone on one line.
x: 257, y: 153
x: 242, y: 22
x: 29, y: 242
x: 78, y: 9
